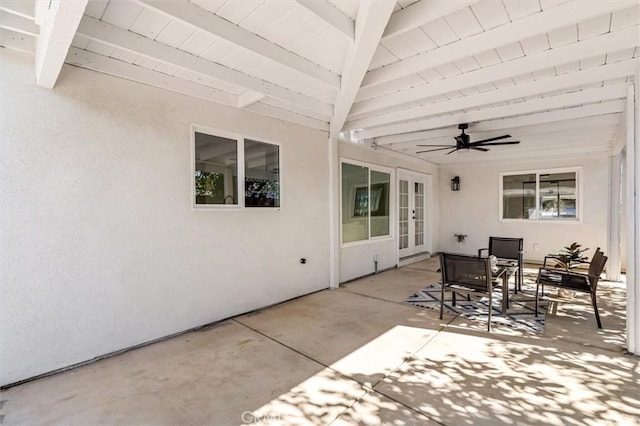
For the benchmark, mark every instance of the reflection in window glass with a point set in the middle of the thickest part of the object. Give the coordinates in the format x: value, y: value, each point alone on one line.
x: 419, y: 213
x: 540, y: 196
x: 403, y: 231
x: 355, y: 203
x: 262, y: 174
x: 216, y: 171
x: 519, y: 196
x: 379, y: 197
x: 558, y: 195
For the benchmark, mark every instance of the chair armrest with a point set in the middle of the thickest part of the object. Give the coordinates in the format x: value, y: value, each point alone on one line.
x: 548, y: 275
x: 549, y: 272
x: 481, y: 250
x: 560, y: 272
x: 547, y: 257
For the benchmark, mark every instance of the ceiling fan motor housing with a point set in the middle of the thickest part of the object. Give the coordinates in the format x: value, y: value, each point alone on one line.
x: 462, y: 141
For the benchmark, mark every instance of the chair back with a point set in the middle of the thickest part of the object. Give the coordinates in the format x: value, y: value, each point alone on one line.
x: 506, y: 248
x: 596, y: 266
x: 466, y: 271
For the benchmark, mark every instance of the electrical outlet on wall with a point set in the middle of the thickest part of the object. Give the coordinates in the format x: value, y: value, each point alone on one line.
x: 536, y: 246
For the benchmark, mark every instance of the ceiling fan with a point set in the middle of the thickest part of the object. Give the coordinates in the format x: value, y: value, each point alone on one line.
x: 463, y: 142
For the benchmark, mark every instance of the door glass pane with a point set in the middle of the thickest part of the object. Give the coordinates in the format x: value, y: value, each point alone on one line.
x: 519, y: 196
x: 558, y: 195
x: 419, y: 213
x: 379, y: 197
x: 355, y: 203
x: 216, y: 171
x: 403, y: 221
x: 261, y: 174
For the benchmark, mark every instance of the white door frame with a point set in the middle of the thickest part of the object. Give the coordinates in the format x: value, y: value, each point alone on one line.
x: 403, y: 174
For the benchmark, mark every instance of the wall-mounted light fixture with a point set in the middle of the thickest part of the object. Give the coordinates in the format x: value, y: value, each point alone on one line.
x: 455, y: 184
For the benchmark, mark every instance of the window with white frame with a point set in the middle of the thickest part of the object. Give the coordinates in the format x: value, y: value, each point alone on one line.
x: 233, y: 171
x: 540, y: 195
x: 365, y: 202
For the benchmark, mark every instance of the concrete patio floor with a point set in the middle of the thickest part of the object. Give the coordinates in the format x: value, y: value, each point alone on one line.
x: 357, y: 355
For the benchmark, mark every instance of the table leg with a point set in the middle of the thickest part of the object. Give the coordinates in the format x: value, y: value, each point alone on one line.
x: 505, y: 294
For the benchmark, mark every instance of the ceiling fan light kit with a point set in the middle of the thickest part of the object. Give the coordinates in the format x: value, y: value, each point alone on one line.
x: 463, y: 142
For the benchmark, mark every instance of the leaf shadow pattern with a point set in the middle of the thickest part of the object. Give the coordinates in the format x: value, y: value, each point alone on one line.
x: 472, y: 379
x: 465, y: 376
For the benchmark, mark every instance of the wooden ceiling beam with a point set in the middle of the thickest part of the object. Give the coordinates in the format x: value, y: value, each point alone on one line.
x: 58, y: 24
x: 18, y: 24
x: 331, y: 15
x: 431, y: 136
x: 104, y: 64
x: 595, y: 134
x: 372, y: 17
x: 548, y: 85
x: 619, y: 40
x: 420, y: 13
x: 548, y: 20
x: 565, y: 127
x: 494, y: 158
x: 575, y: 99
x: 249, y: 97
x: 192, y: 14
x: 287, y: 115
x: 23, y: 8
x: 17, y: 41
x: 599, y: 109
x: 129, y: 41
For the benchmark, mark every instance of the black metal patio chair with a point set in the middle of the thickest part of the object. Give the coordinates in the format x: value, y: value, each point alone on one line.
x: 585, y: 283
x: 466, y: 275
x: 507, y: 248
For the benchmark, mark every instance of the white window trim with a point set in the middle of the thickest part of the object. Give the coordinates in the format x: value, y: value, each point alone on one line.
x: 376, y: 168
x: 241, y: 173
x: 579, y: 196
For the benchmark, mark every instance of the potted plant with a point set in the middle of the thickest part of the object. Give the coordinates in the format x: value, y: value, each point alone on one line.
x: 571, y: 256
x: 568, y: 258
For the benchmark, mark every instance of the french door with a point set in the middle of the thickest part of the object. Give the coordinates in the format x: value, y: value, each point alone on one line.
x: 413, y: 220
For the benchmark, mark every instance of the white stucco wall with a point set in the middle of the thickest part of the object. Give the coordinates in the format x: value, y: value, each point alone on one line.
x: 100, y: 248
x: 474, y: 209
x: 358, y: 260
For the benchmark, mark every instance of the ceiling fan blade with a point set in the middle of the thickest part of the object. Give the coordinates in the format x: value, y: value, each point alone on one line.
x: 500, y: 143
x: 437, y: 145
x: 431, y: 150
x: 477, y: 148
x: 497, y: 138
x: 453, y: 150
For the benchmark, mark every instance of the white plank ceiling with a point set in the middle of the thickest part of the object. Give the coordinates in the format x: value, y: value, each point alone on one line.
x: 397, y: 75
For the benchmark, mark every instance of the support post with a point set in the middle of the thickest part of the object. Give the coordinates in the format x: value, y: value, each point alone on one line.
x: 334, y: 213
x: 615, y: 211
x: 632, y: 154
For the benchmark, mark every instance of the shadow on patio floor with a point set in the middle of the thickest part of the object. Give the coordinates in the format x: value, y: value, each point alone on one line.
x: 356, y: 355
